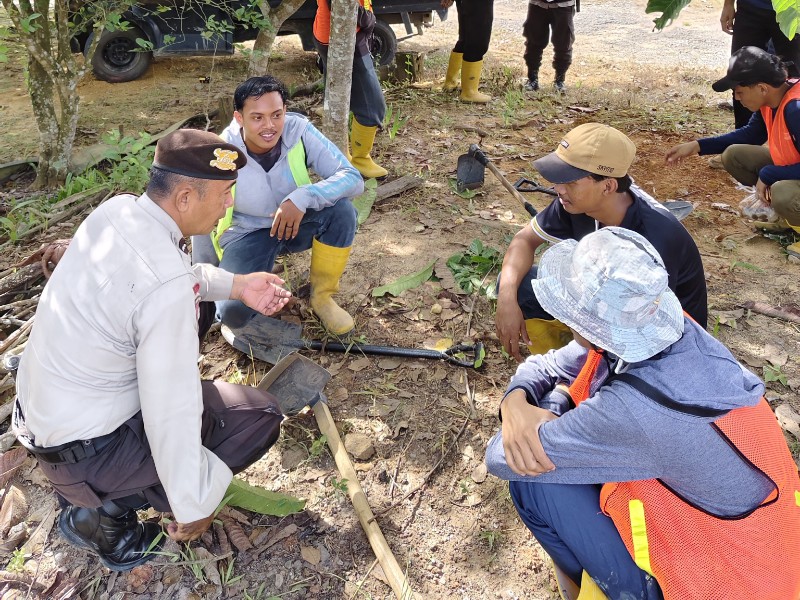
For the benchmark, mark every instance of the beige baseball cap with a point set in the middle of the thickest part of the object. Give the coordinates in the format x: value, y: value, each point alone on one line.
x: 591, y: 148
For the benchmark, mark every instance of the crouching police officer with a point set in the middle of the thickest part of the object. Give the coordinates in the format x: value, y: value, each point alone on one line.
x: 109, y: 396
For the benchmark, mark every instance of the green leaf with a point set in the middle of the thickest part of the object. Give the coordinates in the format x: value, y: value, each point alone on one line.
x: 669, y: 9
x: 406, y: 282
x: 265, y: 502
x: 364, y: 202
x: 788, y: 16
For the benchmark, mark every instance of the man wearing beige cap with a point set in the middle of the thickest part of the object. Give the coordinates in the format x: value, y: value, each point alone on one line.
x: 590, y: 172
x: 109, y: 396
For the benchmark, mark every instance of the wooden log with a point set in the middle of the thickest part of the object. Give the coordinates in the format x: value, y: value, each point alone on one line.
x: 20, y: 278
x: 786, y: 313
x: 15, y: 338
x: 397, y: 187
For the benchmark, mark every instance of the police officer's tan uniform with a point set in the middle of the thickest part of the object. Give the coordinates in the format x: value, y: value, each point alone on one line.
x: 113, y: 359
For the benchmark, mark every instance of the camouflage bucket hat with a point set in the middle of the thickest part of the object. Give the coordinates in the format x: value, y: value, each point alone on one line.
x: 611, y: 287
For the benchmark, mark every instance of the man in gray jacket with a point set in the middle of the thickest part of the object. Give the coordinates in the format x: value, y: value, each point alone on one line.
x: 109, y: 396
x: 671, y: 475
x: 278, y: 209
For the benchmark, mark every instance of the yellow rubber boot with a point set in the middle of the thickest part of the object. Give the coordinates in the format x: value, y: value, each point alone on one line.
x: 470, y: 79
x: 590, y: 590
x: 452, y: 79
x: 361, y: 140
x: 547, y: 335
x: 794, y: 249
x: 567, y: 589
x: 327, y: 266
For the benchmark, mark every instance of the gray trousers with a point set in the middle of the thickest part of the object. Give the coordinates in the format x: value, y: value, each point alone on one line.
x: 240, y: 423
x: 745, y: 161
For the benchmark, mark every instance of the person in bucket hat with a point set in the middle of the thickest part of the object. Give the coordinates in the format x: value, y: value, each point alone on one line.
x: 657, y: 469
x: 760, y: 81
x: 590, y: 169
x: 109, y: 397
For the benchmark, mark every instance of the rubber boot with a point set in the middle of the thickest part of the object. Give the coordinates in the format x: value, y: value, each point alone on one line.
x: 452, y: 79
x: 590, y: 590
x: 567, y: 589
x: 558, y: 84
x: 327, y: 266
x: 470, y: 79
x: 112, y: 532
x: 361, y: 140
x: 547, y: 335
x: 794, y: 249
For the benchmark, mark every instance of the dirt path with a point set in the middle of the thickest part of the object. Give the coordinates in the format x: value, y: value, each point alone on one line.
x: 458, y: 536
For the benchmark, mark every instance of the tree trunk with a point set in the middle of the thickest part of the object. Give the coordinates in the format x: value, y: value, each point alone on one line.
x: 259, y: 59
x: 339, y: 76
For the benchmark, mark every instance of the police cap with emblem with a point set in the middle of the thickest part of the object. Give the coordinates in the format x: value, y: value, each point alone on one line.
x: 591, y: 148
x: 198, y: 154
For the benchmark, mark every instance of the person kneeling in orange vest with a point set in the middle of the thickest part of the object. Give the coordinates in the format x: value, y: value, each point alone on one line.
x: 671, y: 477
x: 759, y: 81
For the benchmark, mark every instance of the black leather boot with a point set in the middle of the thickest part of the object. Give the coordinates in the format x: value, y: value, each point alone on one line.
x: 113, y: 532
x: 559, y: 84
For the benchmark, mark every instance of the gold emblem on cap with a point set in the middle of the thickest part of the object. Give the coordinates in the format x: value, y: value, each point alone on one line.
x: 226, y: 159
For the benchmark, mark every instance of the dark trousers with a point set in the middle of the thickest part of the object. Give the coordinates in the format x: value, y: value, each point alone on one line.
x: 537, y: 31
x: 531, y: 309
x: 567, y: 522
x: 474, y: 28
x: 240, y: 423
x: 756, y: 27
x: 366, y: 96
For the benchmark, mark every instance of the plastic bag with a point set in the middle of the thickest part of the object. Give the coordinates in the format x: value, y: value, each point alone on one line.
x: 753, y: 208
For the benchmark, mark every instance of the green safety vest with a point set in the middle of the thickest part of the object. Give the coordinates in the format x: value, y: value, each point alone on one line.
x: 297, y: 165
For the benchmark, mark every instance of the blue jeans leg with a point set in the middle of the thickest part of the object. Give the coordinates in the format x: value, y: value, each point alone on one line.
x: 334, y: 225
x: 567, y: 522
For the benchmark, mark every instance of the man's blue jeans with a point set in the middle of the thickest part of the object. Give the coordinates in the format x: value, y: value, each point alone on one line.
x: 566, y: 520
x: 333, y: 226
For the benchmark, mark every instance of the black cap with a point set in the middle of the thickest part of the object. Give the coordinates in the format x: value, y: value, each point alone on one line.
x: 198, y: 154
x: 751, y: 65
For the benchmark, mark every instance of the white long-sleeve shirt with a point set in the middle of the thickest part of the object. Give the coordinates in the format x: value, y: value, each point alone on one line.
x: 116, y: 333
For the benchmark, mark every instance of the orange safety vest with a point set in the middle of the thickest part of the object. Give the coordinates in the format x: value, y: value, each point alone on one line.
x: 322, y: 22
x: 781, y: 145
x: 696, y: 556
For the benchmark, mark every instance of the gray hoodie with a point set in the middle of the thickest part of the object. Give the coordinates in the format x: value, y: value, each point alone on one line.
x: 618, y: 434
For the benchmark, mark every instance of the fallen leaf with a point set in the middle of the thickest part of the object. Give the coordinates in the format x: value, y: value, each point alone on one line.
x: 399, y: 428
x: 388, y: 364
x: 479, y: 473
x: 236, y: 534
x: 14, y: 509
x: 383, y: 407
x: 36, y: 542
x: 310, y: 554
x: 340, y: 394
x: 438, y: 374
x: 359, y: 365
x: 775, y: 355
x: 139, y: 576
x: 11, y: 461
x: 284, y: 533
x: 209, y: 563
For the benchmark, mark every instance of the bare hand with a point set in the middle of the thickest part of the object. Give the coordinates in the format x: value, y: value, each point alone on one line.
x: 727, y: 17
x: 521, y: 421
x: 286, y: 221
x: 676, y: 154
x: 763, y: 192
x: 187, y: 532
x: 47, y: 254
x: 510, y: 325
x: 261, y: 292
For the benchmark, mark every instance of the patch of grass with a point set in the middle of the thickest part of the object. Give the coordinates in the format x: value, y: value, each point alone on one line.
x: 17, y: 562
x: 492, y: 538
x: 774, y: 373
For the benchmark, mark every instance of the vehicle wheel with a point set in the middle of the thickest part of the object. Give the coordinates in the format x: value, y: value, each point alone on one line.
x: 117, y: 58
x: 384, y: 43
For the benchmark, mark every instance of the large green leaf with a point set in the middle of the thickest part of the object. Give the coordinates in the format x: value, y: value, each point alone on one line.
x: 788, y: 12
x: 406, y: 282
x: 669, y: 9
x: 257, y: 499
x: 364, y: 202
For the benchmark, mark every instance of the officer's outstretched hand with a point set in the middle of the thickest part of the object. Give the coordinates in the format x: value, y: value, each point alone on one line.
x: 521, y: 421
x: 261, y: 292
x: 187, y: 532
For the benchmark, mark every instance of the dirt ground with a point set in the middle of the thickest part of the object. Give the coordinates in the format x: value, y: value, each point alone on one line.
x: 458, y: 535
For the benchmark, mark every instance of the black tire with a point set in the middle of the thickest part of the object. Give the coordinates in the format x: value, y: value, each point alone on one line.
x: 117, y: 59
x: 383, y: 46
